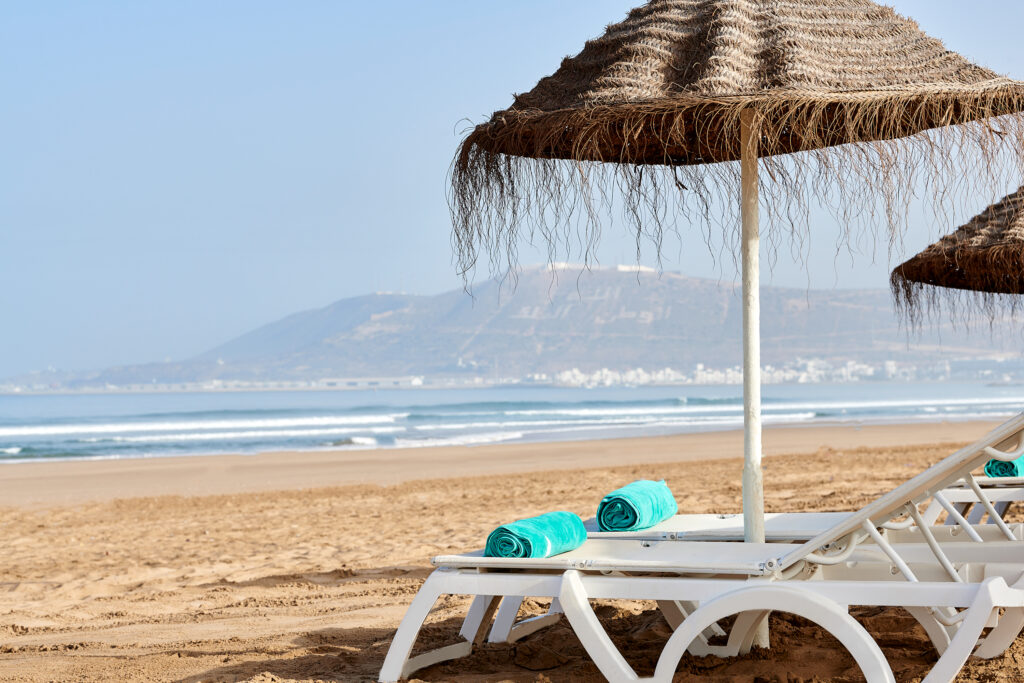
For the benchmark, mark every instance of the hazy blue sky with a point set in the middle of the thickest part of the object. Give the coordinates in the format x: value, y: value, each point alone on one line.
x: 175, y: 173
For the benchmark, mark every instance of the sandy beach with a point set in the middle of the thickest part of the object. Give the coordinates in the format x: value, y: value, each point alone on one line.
x: 298, y: 566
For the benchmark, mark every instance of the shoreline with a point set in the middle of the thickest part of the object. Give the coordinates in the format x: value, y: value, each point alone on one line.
x: 71, y: 482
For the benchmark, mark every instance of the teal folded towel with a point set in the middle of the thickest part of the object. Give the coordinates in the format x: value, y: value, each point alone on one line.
x: 999, y: 468
x: 639, y: 505
x: 550, y: 534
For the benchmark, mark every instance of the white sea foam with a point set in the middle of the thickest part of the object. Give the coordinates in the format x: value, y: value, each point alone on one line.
x: 467, y: 440
x: 607, y: 412
x: 627, y: 421
x: 196, y: 425
x: 566, y: 427
x: 11, y: 451
x: 462, y: 426
x: 253, y: 434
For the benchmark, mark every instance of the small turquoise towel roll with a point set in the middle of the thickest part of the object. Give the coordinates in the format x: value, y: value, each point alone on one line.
x: 999, y: 468
x: 550, y: 534
x: 639, y: 505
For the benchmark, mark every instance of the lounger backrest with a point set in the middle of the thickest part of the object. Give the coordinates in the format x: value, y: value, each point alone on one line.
x: 1007, y: 437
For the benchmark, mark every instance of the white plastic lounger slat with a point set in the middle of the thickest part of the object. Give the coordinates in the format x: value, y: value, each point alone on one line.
x: 633, y: 555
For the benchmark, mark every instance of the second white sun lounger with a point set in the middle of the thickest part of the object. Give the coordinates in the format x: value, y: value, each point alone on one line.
x: 960, y: 500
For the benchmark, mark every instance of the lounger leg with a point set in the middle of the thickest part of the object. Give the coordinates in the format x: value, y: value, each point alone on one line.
x: 505, y: 620
x: 480, y: 611
x: 937, y: 633
x: 932, y: 512
x: 1002, y: 636
x: 588, y: 629
x: 1001, y: 508
x: 977, y: 512
x: 967, y: 635
x: 675, y: 611
x: 398, y: 664
x: 506, y: 630
x: 770, y: 598
x: 741, y: 640
x: 409, y: 629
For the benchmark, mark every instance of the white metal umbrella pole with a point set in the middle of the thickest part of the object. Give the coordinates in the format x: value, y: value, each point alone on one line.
x: 753, y: 489
x: 753, y: 486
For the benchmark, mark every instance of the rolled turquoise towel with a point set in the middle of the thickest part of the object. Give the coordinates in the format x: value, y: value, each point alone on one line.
x: 550, y: 534
x: 639, y: 505
x: 999, y: 468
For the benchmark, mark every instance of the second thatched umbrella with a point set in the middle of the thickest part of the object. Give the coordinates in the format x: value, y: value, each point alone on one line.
x: 657, y: 105
x: 985, y: 256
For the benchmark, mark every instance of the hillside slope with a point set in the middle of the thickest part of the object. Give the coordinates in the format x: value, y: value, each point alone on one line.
x: 556, y: 320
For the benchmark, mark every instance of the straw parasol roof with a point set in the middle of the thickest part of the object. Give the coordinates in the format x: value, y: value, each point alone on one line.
x: 679, y: 72
x: 667, y: 86
x: 985, y: 256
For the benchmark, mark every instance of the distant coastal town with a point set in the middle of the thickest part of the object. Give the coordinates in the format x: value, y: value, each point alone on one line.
x: 1008, y: 371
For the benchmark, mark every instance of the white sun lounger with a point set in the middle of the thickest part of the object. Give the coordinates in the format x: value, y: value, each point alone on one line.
x: 1002, y: 491
x: 960, y: 500
x: 955, y: 589
x: 786, y: 527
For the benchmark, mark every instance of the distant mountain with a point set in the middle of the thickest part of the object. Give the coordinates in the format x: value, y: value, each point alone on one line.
x: 554, y: 320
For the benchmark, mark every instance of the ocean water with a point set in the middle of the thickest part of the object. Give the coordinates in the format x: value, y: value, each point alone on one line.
x: 151, y: 425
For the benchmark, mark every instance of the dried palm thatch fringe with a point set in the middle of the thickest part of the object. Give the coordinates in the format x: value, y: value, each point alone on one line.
x: 981, y: 263
x: 856, y: 108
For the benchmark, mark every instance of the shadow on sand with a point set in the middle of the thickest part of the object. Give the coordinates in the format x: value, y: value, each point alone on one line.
x: 799, y: 648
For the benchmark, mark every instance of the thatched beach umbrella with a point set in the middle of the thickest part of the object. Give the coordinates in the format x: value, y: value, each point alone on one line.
x: 657, y: 106
x: 985, y: 256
